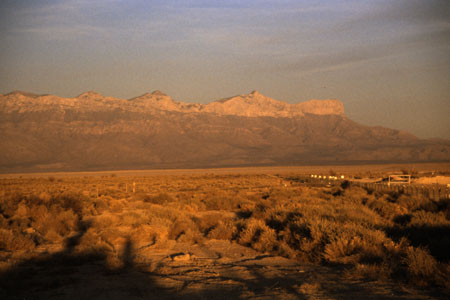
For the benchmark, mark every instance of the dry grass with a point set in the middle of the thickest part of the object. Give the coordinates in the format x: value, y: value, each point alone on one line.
x: 371, y: 234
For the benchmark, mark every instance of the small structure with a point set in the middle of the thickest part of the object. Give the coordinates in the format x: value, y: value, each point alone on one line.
x: 399, y: 179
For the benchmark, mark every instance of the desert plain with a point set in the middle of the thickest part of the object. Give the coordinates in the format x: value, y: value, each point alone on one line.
x: 236, y: 233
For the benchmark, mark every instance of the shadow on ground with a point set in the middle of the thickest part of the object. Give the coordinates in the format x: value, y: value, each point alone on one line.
x: 434, y: 238
x: 69, y: 274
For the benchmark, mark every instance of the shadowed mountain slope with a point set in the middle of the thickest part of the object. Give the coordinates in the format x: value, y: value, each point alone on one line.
x: 93, y: 132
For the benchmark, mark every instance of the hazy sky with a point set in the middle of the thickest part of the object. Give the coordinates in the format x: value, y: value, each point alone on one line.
x: 387, y: 61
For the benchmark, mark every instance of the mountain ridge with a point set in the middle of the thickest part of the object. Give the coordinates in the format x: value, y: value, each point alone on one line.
x: 253, y: 104
x: 94, y: 132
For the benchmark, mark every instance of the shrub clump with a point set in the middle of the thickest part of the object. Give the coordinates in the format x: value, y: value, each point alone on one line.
x: 29, y: 220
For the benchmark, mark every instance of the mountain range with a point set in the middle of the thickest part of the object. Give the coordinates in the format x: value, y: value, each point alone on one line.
x: 94, y: 132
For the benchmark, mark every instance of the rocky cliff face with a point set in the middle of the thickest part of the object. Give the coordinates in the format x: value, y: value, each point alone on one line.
x: 250, y: 105
x: 258, y: 105
x: 93, y: 132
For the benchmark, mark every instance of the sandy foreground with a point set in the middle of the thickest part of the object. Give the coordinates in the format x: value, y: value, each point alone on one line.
x: 215, y: 269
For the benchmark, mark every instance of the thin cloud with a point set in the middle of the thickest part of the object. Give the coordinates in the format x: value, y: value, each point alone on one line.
x: 414, y: 11
x: 364, y: 54
x: 55, y: 20
x: 385, y: 29
x: 405, y: 13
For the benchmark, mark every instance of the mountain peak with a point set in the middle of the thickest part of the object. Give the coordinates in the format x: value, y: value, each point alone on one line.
x: 21, y: 93
x: 155, y: 94
x: 158, y: 93
x: 256, y: 104
x: 255, y: 93
x: 90, y: 94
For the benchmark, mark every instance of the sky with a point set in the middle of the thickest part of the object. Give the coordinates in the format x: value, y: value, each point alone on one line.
x: 387, y: 61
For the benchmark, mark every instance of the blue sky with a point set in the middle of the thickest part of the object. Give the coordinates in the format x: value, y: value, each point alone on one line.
x: 387, y: 61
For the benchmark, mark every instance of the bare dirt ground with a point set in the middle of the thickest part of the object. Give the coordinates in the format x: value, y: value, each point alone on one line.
x: 216, y: 269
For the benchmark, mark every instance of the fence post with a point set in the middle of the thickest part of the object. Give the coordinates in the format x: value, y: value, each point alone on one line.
x: 441, y: 194
x: 436, y: 194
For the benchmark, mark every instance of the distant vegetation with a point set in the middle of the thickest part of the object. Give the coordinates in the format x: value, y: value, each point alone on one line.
x: 369, y: 234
